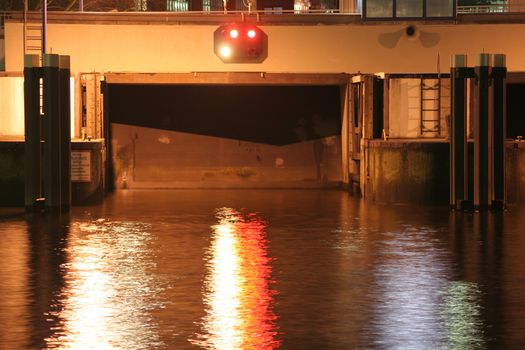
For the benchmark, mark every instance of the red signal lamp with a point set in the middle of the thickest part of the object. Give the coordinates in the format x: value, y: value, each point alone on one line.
x: 234, y: 33
x: 240, y: 43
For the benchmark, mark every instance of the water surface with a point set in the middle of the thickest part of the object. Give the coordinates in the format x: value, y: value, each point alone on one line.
x: 261, y: 270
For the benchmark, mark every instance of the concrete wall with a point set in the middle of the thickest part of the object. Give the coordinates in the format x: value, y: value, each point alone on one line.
x: 292, y: 48
x: 154, y: 158
x: 418, y: 172
x: 407, y: 172
x: 515, y: 172
x: 12, y: 174
x: 11, y: 106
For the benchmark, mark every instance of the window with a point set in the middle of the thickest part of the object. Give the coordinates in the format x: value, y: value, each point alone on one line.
x: 409, y: 8
x: 440, y: 8
x: 412, y: 9
x: 379, y: 8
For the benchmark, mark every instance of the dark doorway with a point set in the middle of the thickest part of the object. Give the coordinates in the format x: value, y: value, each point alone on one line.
x: 378, y: 108
x: 276, y: 115
x: 227, y: 136
x: 515, y: 110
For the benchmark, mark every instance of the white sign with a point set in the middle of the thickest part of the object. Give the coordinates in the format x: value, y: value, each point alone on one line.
x: 81, y: 166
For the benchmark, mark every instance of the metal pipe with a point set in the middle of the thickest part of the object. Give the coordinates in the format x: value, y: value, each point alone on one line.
x: 44, y: 27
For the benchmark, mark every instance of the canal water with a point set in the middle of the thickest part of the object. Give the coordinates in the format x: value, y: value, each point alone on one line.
x: 262, y: 270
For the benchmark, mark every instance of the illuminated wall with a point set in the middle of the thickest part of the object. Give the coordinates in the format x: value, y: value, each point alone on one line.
x: 405, y: 108
x: 292, y: 48
x: 12, y: 106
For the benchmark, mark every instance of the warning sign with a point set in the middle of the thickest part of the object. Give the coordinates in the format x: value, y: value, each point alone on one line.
x: 81, y: 166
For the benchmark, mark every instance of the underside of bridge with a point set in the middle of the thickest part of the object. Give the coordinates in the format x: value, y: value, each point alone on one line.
x: 249, y: 131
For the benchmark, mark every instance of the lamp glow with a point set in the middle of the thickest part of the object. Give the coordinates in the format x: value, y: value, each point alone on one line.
x: 226, y: 51
x: 234, y: 33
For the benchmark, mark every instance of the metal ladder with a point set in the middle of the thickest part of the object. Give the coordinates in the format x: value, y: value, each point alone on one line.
x: 32, y: 35
x: 430, y: 106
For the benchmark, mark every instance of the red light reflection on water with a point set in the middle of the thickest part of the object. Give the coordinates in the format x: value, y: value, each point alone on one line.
x: 237, y: 289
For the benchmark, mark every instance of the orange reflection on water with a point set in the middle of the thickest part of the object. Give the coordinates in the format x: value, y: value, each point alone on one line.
x: 109, y: 294
x: 237, y: 289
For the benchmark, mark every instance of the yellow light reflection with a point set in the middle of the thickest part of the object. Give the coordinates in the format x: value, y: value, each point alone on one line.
x: 462, y: 316
x: 237, y: 289
x: 109, y: 293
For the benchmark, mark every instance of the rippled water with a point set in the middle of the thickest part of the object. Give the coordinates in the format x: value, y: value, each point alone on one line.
x: 261, y: 270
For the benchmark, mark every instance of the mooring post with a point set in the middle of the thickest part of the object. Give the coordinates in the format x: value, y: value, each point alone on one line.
x: 458, y: 136
x: 32, y: 132
x: 52, y: 170
x: 65, y: 132
x: 499, y: 72
x: 481, y: 132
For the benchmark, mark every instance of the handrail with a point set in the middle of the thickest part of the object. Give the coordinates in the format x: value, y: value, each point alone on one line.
x: 474, y: 9
x: 494, y: 8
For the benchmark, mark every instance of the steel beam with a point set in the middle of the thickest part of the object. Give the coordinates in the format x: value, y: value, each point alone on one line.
x: 52, y: 132
x: 499, y: 72
x: 65, y: 132
x: 459, y: 160
x: 481, y: 119
x: 32, y: 127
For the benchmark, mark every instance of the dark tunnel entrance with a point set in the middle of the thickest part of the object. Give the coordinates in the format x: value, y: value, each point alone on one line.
x: 224, y: 136
x: 515, y: 111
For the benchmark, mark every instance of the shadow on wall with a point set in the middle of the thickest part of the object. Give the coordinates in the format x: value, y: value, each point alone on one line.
x: 2, y: 50
x: 411, y: 33
x: 274, y: 115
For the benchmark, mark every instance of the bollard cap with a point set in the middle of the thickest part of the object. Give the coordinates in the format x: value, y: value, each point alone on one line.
x: 31, y: 61
x: 500, y: 60
x: 483, y: 60
x: 64, y: 62
x: 458, y: 61
x: 50, y: 60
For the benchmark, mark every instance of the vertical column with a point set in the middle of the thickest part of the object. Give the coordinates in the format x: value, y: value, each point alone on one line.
x: 32, y: 150
x: 65, y: 132
x: 52, y: 170
x: 481, y: 132
x: 499, y: 72
x: 458, y: 134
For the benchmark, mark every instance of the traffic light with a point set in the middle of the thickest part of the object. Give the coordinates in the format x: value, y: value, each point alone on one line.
x: 240, y: 43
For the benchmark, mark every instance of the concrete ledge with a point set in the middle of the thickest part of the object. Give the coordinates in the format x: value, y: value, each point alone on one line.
x: 407, y: 171
x: 417, y: 171
x: 12, y: 174
x: 270, y: 185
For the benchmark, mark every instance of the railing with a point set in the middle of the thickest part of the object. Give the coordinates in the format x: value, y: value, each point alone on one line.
x: 478, y: 9
x: 496, y: 8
